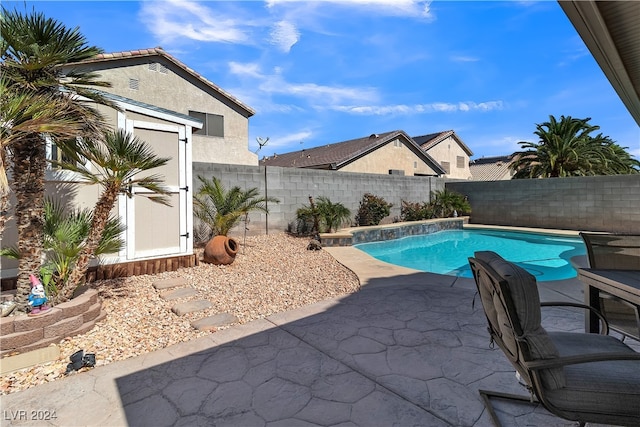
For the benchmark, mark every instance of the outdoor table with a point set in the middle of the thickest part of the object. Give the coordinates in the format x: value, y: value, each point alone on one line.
x: 624, y: 284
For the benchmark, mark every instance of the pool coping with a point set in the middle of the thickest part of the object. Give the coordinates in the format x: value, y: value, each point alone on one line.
x: 376, y: 233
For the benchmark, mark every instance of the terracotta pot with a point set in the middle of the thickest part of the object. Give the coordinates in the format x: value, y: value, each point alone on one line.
x: 221, y: 250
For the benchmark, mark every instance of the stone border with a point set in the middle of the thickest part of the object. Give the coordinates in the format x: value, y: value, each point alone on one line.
x: 356, y: 235
x: 25, y: 333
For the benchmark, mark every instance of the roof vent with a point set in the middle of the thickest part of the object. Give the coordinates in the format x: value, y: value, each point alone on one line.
x: 373, y: 135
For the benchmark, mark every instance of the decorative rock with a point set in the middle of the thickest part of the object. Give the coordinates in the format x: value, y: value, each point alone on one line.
x: 178, y: 293
x: 213, y: 322
x: 314, y: 245
x: 190, y: 307
x: 170, y: 283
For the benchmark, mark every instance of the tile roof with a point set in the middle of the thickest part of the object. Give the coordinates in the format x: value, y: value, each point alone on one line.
x: 158, y: 51
x: 430, y: 140
x: 491, y: 168
x: 337, y: 155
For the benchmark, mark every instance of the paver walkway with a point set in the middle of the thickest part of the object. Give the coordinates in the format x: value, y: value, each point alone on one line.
x: 410, y: 349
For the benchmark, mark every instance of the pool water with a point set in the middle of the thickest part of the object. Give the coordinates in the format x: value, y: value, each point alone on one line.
x: 546, y: 256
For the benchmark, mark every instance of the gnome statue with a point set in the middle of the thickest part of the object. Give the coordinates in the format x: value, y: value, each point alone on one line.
x: 37, y: 298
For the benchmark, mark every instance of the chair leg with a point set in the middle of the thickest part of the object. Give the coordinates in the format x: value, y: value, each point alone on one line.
x: 488, y: 394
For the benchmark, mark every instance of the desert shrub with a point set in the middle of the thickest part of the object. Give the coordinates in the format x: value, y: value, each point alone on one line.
x: 324, y: 215
x: 372, y: 210
x: 415, y: 211
x: 445, y: 202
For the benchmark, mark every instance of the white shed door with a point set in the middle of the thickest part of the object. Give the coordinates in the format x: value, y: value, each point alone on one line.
x: 154, y: 229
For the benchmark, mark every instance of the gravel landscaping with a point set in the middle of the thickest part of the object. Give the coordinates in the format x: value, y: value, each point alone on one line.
x: 270, y: 274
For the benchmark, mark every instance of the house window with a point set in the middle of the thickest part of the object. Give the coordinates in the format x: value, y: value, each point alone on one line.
x: 460, y: 163
x: 446, y: 166
x: 55, y: 153
x: 213, y: 124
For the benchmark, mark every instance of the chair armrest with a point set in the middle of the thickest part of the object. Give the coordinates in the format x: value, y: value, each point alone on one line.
x: 581, y: 358
x: 603, y: 320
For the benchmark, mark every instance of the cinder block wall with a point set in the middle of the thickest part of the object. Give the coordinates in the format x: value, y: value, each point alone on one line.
x: 293, y: 186
x: 597, y: 203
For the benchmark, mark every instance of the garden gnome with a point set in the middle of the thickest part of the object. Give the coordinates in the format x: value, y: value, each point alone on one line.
x: 37, y: 297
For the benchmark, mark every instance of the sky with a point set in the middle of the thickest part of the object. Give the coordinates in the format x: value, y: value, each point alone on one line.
x: 326, y: 71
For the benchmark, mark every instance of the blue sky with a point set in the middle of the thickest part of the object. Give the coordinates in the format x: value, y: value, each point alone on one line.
x: 319, y: 72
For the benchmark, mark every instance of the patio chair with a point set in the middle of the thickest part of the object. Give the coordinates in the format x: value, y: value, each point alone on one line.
x: 618, y: 252
x: 576, y: 376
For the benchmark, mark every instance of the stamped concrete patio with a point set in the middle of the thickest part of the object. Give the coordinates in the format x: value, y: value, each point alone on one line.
x: 409, y: 349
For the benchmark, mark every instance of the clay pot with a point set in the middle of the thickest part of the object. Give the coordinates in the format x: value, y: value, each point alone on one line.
x: 221, y: 250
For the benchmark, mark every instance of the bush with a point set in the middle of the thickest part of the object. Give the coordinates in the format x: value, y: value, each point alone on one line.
x: 327, y: 215
x: 372, y: 210
x: 413, y: 211
x: 445, y: 202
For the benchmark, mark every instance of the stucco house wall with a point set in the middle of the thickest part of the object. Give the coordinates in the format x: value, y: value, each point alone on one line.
x: 157, y: 81
x: 448, y: 151
x: 396, y: 156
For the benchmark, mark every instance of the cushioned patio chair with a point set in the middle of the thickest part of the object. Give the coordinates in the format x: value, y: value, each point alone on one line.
x: 618, y: 252
x: 576, y: 376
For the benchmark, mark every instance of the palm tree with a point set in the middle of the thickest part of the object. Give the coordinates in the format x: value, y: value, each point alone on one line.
x: 566, y: 148
x: 26, y: 113
x: 65, y: 235
x: 330, y: 215
x: 117, y: 165
x: 32, y: 48
x: 445, y: 202
x: 221, y: 210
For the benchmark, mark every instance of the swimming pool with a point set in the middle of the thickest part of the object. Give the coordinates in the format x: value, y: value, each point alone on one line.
x: 546, y: 256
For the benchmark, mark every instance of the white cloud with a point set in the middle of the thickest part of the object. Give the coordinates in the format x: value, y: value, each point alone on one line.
x: 436, y: 107
x: 462, y: 58
x: 250, y: 69
x: 284, y: 35
x: 174, y: 19
x: 283, y: 143
x: 412, y: 8
x: 315, y: 94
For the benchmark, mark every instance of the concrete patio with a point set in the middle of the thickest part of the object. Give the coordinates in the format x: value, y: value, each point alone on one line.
x: 409, y: 349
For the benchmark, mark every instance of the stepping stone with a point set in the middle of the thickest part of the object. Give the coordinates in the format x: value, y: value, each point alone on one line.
x: 178, y: 293
x: 213, y: 322
x: 170, y: 283
x: 190, y: 307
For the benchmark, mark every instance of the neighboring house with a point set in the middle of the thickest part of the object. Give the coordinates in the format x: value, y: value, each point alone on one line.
x: 387, y: 153
x: 450, y: 152
x: 154, y: 77
x: 491, y: 168
x: 152, y: 230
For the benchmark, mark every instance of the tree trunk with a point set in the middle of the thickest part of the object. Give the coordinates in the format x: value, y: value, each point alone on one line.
x: 100, y: 217
x: 29, y: 163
